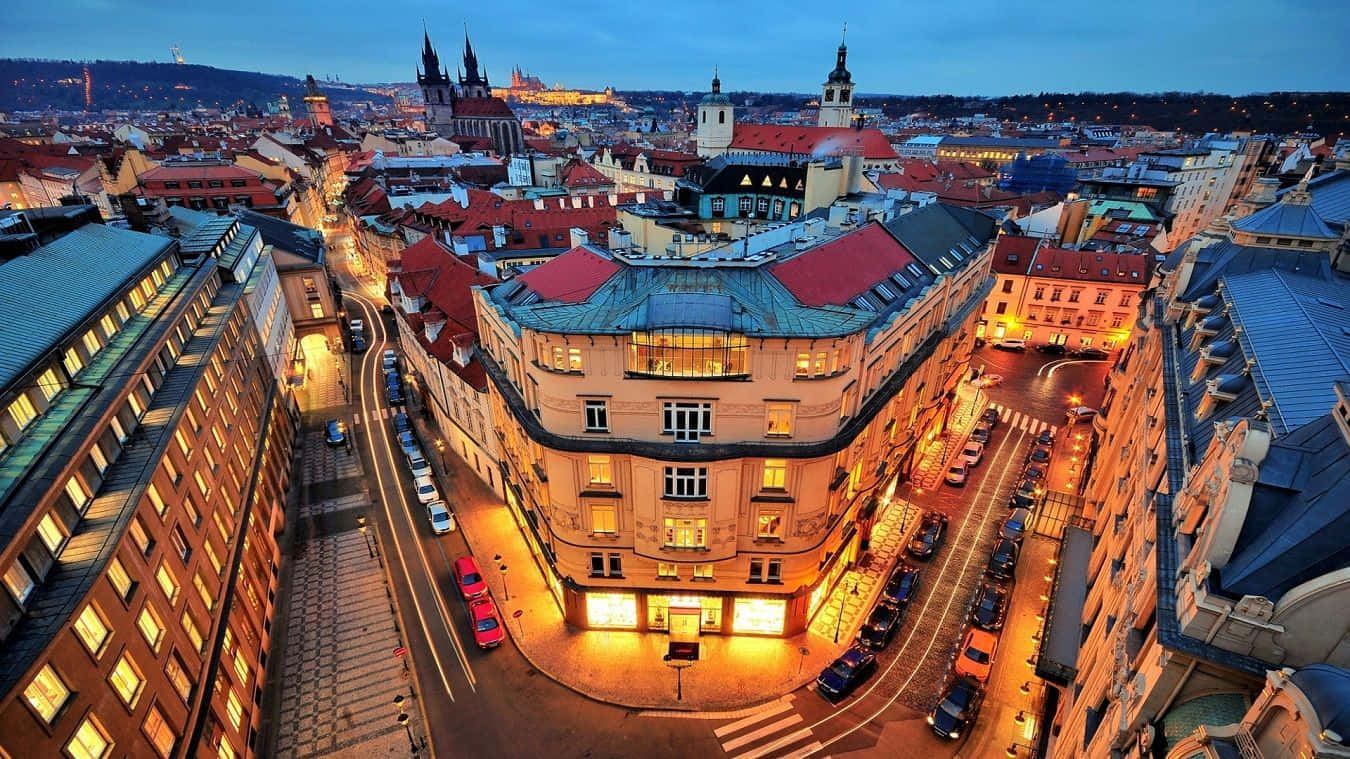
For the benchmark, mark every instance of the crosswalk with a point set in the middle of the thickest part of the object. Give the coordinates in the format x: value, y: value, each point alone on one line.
x: 776, y: 729
x: 1022, y: 421
x: 368, y: 417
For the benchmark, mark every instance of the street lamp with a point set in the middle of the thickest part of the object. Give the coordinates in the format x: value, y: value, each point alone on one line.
x: 505, y: 587
x: 440, y: 449
x: 403, y: 720
x: 361, y: 525
x: 839, y: 620
x: 678, y: 665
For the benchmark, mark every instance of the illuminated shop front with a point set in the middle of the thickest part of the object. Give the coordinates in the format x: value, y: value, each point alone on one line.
x: 709, y: 609
x: 847, y: 553
x: 611, y: 610
x: 759, y: 616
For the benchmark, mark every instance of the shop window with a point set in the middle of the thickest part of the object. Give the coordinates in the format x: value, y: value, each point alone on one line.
x: 615, y: 610
x: 762, y: 616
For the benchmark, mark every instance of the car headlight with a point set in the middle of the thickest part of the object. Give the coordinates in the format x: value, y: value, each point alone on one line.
x: 930, y: 719
x: 953, y: 734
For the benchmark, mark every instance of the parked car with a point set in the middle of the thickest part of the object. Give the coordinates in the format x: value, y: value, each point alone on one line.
x: 990, y: 607
x: 880, y: 627
x: 442, y: 521
x: 957, y: 708
x: 336, y: 432
x: 1046, y: 439
x: 1091, y: 353
x: 928, y: 537
x: 1015, y: 526
x: 358, y: 327
x: 976, y: 655
x: 1034, y: 472
x: 956, y: 474
x: 990, y: 417
x: 487, y: 625
x: 408, y: 443
x: 988, y: 380
x: 1029, y: 488
x: 973, y: 453
x: 1011, y: 344
x: 386, y: 309
x: 468, y: 578
x: 846, y: 673
x: 1003, y: 560
x: 1080, y: 414
x: 1021, y: 501
x: 902, y: 586
x: 1053, y: 349
x: 389, y: 361
x: 982, y: 433
x: 426, y: 490
x: 402, y: 423
x: 394, y: 393
x: 358, y: 344
x: 1039, y: 455
x: 417, y: 464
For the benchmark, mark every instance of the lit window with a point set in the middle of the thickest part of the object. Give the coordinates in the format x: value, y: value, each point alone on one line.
x: 121, y: 581
x: 703, y: 571
x: 601, y: 472
x: 203, y: 590
x: 47, y: 693
x: 686, y: 533
x: 140, y: 537
x: 194, y: 632
x: 574, y: 359
x: 79, y: 494
x: 803, y: 365
x: 225, y: 751
x: 126, y: 680
x: 234, y: 709
x: 604, y: 520
x: 668, y: 571
x: 72, y: 361
x: 201, y: 484
x: 100, y: 460
x: 316, y: 310
x: 167, y: 582
x: 157, y: 729
x: 92, y: 630
x: 49, y: 384
x: 90, y: 741
x: 686, y: 482
x: 778, y: 419
x: 92, y: 343
x: 176, y: 671
x: 769, y: 525
x: 183, y: 444
x: 51, y: 534
x: 241, y: 668
x: 775, y: 474
x: 152, y: 493
x: 19, y: 582
x: 152, y: 627
x: 211, y: 555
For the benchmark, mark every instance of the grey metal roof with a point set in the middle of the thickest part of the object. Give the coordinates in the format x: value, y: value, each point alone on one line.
x: 1286, y: 220
x: 1327, y: 688
x: 930, y: 233
x: 283, y: 235
x: 1330, y: 196
x: 48, y: 292
x: 709, y: 310
x: 1227, y: 258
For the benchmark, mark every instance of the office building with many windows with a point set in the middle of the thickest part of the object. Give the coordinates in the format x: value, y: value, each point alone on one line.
x: 144, y: 454
x: 702, y: 444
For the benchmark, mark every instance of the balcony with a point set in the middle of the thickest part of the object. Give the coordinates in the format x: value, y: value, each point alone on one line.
x: 690, y: 353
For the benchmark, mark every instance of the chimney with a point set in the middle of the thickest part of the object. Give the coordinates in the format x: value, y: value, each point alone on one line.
x: 853, y: 173
x: 579, y: 236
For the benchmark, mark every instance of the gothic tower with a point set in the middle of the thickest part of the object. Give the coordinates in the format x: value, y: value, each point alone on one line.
x: 716, y: 121
x: 438, y: 92
x: 473, y: 84
x: 316, y: 104
x: 836, y: 100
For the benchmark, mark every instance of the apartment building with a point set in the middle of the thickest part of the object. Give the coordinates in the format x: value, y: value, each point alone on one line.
x: 702, y: 444
x: 1077, y: 298
x: 144, y: 455
x: 1219, y: 497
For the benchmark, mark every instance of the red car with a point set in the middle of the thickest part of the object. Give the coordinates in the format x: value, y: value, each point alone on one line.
x: 468, y: 578
x: 487, y: 626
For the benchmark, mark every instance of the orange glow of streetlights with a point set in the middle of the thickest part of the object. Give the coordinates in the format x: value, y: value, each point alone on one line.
x: 1075, y: 400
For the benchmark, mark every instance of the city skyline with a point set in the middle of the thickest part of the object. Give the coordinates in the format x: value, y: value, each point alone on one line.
x: 1008, y: 50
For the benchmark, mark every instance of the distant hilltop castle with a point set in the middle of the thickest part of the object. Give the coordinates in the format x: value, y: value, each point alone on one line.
x: 531, y: 90
x: 522, y: 81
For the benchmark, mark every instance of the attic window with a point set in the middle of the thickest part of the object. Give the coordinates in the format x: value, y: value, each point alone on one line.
x: 1134, y: 274
x: 899, y: 279
x: 862, y: 302
x: 884, y: 292
x: 914, y: 270
x: 1106, y: 272
x: 956, y: 254
x: 1012, y: 258
x: 1040, y: 266
x: 945, y: 261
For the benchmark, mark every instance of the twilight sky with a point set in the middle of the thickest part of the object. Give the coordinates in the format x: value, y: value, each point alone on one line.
x: 966, y: 47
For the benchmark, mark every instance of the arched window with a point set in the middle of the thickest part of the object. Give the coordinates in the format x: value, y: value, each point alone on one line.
x: 721, y: 117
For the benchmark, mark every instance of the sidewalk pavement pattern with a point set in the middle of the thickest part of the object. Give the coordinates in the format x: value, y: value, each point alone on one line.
x: 626, y: 668
x: 339, y: 675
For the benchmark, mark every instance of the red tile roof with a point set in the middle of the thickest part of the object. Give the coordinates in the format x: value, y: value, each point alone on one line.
x: 495, y: 107
x: 806, y: 140
x: 433, y: 272
x: 1012, y: 253
x: 838, y: 271
x: 578, y: 173
x: 196, y: 171
x: 571, y: 277
x: 1088, y: 265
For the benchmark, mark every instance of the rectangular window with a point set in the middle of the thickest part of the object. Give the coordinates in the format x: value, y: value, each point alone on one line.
x: 597, y: 565
x: 19, y: 582
x: 686, y: 533
x: 49, y: 384
x: 167, y: 582
x: 769, y: 524
x: 180, y: 544
x: 51, y: 534
x: 156, y: 500
x: 92, y: 630
x: 600, y: 470
x: 597, y: 416
x: 775, y: 571
x: 177, y: 673
x: 22, y: 411
x: 151, y: 626
x: 121, y: 581
x: 92, y: 343
x: 775, y: 474
x: 100, y: 460
x: 211, y: 555
x: 47, y: 693
x: 90, y: 741
x: 157, y: 729
x: 778, y: 419
x: 686, y: 482
x: 1117, y: 320
x: 1125, y: 299
x: 1101, y: 296
x: 234, y: 709
x: 190, y: 627
x: 802, y: 367
x: 667, y: 571
x: 604, y: 520
x: 703, y: 571
x: 615, y: 565
x: 203, y: 591
x: 685, y: 420
x: 756, y: 571
x: 1007, y: 285
x: 573, y: 359
x: 201, y: 484
x: 316, y: 310
x: 126, y: 680
x: 79, y: 494
x: 144, y: 543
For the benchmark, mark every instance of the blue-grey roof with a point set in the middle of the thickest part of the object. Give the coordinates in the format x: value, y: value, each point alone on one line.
x: 932, y: 231
x: 47, y: 293
x: 1286, y: 220
x: 283, y: 235
x: 709, y: 310
x: 1330, y: 196
x: 1227, y: 258
x: 1327, y: 688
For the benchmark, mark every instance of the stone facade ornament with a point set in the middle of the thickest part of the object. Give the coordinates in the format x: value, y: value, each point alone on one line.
x: 1243, y: 471
x: 1256, y: 607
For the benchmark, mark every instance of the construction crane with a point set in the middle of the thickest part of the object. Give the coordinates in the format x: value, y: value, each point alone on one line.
x: 177, y: 54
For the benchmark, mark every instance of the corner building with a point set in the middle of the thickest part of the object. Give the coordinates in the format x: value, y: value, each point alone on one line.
x: 702, y: 445
x: 144, y: 455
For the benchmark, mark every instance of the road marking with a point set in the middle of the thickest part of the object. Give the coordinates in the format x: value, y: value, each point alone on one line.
x: 767, y: 730
x: 356, y: 418
x: 776, y: 707
x: 786, y: 740
x: 1053, y: 430
x: 804, y: 751
x: 733, y: 714
x: 1063, y: 364
x: 1003, y: 413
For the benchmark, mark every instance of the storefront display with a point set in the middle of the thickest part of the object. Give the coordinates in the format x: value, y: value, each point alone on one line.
x: 760, y: 616
x: 615, y: 610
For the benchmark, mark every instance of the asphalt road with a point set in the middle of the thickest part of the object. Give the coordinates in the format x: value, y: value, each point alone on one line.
x: 1040, y: 385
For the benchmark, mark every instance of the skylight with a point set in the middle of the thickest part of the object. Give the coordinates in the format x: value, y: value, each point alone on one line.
x: 864, y: 303
x: 899, y: 279
x: 884, y: 292
x: 914, y: 270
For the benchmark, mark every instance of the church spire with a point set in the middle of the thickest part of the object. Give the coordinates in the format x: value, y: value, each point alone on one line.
x: 431, y: 71
x: 716, y: 83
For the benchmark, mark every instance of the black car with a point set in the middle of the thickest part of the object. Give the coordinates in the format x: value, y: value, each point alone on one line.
x: 386, y: 309
x: 1039, y: 455
x: 1021, y: 500
x: 957, y: 707
x: 928, y: 537
x: 990, y: 417
x: 991, y: 606
x: 1003, y: 561
x: 394, y: 392
x: 401, y: 423
x: 1053, y: 349
x: 880, y: 627
x: 981, y: 433
x: 1091, y: 353
x: 1045, y: 439
x: 850, y: 670
x: 902, y: 586
x: 1015, y: 526
x: 1034, y: 472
